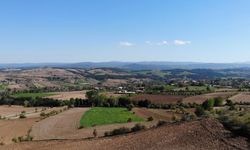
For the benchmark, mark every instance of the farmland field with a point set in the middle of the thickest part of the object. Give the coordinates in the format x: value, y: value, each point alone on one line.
x: 241, y: 97
x: 68, y: 95
x: 33, y: 95
x: 158, y: 99
x: 102, y: 116
x: 201, y: 98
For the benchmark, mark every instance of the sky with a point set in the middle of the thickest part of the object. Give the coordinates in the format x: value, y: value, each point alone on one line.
x: 124, y: 30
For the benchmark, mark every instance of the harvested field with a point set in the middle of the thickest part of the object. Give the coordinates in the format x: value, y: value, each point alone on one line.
x: 157, y: 114
x: 158, y: 99
x: 14, y: 128
x: 241, y: 97
x: 199, y: 99
x: 200, y: 134
x: 14, y: 111
x: 61, y: 126
x: 68, y: 95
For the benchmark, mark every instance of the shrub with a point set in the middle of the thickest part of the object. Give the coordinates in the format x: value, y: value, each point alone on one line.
x: 208, y: 104
x: 199, y: 111
x: 129, y: 120
x: 14, y: 140
x: 138, y: 127
x: 22, y: 116
x: 130, y: 107
x: 94, y: 133
x: 81, y: 127
x: 150, y: 118
x: 160, y: 123
x: 218, y: 101
x: 118, y: 131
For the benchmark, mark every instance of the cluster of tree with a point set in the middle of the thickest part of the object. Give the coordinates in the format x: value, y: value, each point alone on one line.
x: 33, y: 102
x: 209, y: 105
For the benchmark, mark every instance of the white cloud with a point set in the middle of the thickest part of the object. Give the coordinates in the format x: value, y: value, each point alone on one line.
x: 158, y: 43
x: 126, y: 44
x: 162, y: 43
x: 181, y: 42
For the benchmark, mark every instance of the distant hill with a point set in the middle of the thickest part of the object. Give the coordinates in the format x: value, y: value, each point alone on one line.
x: 132, y: 65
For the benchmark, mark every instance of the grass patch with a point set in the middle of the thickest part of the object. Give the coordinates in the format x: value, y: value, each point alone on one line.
x: 102, y: 116
x: 3, y: 86
x: 33, y: 95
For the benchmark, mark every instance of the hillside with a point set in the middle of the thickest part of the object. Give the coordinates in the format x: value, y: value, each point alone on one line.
x: 202, y: 134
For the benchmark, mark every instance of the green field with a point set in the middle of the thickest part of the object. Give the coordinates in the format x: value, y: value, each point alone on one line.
x: 33, y: 95
x: 3, y: 87
x: 102, y: 116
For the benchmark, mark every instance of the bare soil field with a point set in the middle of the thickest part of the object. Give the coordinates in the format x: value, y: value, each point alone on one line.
x: 61, y: 126
x: 199, y: 99
x: 65, y: 126
x: 68, y: 95
x: 14, y: 111
x: 157, y: 114
x: 158, y: 99
x: 10, y: 110
x: 14, y: 128
x: 241, y: 97
x: 200, y: 134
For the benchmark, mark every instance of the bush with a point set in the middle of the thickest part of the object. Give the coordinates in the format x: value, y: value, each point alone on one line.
x: 119, y: 131
x: 218, y: 101
x: 94, y: 133
x: 150, y: 118
x: 130, y: 107
x: 138, y: 127
x: 160, y: 123
x: 208, y: 104
x: 22, y: 116
x: 129, y: 120
x: 199, y: 111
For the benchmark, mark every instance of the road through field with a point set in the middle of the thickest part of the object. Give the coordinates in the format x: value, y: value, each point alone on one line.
x: 62, y: 126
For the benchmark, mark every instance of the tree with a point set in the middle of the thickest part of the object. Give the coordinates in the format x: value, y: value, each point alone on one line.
x: 91, y: 94
x: 208, y: 104
x: 124, y: 101
x: 199, y: 111
x: 218, y: 101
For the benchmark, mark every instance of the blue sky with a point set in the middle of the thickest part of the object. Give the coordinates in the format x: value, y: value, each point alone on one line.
x: 124, y: 30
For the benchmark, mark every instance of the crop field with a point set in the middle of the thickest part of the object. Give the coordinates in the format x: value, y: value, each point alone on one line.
x: 103, y: 116
x: 157, y: 114
x: 201, y: 98
x: 33, y: 95
x: 241, y: 97
x: 67, y: 95
x: 192, y: 88
x: 158, y: 99
x: 15, y: 128
x: 61, y: 126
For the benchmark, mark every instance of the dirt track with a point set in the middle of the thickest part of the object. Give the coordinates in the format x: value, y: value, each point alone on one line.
x: 205, y: 134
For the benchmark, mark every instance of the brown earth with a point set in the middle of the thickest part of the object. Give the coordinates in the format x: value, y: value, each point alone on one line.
x: 199, y: 99
x: 241, y: 97
x: 14, y: 128
x: 62, y: 126
x: 158, y: 99
x: 68, y: 95
x: 14, y: 111
x: 157, y: 114
x: 200, y: 134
